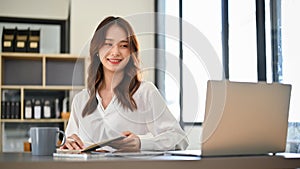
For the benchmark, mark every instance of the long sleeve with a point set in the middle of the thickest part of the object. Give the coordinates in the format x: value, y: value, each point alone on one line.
x: 165, y: 131
x: 72, y: 127
x: 152, y: 121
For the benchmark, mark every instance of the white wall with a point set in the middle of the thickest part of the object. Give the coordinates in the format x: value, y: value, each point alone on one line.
x: 86, y: 15
x: 38, y: 9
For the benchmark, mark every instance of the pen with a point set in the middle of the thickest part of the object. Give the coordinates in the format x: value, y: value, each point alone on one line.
x: 72, y: 140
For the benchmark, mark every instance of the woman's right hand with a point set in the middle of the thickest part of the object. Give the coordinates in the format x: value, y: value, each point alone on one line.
x: 73, y: 142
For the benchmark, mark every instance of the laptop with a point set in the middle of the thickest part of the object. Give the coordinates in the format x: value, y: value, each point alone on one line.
x: 243, y: 118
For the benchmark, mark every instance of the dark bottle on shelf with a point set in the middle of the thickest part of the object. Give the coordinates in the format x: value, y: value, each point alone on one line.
x: 57, y: 109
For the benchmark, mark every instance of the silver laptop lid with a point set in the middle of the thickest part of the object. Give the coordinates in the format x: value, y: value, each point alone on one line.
x: 245, y: 118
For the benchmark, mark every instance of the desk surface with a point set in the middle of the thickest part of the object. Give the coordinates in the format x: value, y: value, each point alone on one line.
x: 26, y: 160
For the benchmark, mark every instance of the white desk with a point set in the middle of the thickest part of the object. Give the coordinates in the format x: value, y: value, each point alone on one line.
x: 27, y: 161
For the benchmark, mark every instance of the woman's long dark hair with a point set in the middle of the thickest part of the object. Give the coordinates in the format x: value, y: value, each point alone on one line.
x: 130, y: 83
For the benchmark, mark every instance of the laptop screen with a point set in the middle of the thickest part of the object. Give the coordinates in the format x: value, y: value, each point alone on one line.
x: 244, y: 118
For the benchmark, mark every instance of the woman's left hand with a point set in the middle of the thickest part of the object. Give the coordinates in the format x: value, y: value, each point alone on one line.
x: 131, y: 143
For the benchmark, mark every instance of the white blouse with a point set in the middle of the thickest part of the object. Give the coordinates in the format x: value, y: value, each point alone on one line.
x: 152, y: 121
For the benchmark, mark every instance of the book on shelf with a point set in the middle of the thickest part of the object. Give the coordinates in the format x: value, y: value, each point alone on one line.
x: 7, y: 110
x: 3, y: 109
x: 17, y: 112
x: 10, y: 109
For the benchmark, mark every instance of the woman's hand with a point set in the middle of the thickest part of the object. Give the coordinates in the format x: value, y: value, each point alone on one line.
x: 73, y: 142
x: 131, y: 143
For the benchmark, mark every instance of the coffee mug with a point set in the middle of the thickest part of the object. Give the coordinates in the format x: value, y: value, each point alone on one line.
x: 44, y: 140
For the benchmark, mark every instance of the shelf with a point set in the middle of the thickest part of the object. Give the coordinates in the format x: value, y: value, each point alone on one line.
x: 33, y: 120
x: 39, y: 55
x: 36, y: 76
x: 20, y: 70
x: 64, y: 72
x: 21, y: 55
x: 42, y: 87
x: 35, y: 69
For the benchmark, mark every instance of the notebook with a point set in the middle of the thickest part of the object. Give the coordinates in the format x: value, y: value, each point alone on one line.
x: 92, y: 147
x: 244, y: 118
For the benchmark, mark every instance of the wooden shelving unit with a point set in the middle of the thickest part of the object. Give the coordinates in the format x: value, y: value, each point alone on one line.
x: 24, y: 72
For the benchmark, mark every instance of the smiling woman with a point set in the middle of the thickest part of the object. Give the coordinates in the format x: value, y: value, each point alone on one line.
x: 108, y: 42
x: 117, y: 102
